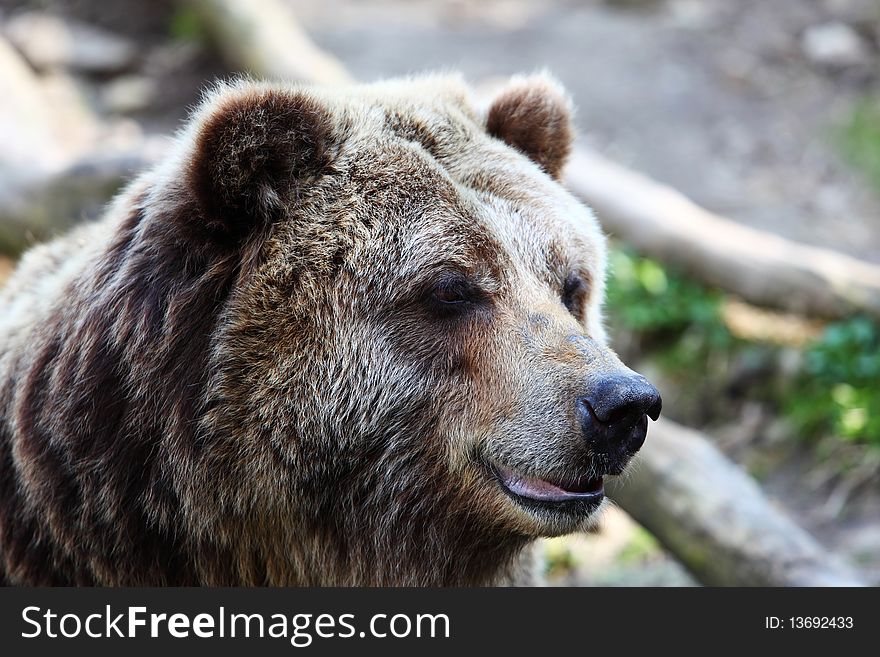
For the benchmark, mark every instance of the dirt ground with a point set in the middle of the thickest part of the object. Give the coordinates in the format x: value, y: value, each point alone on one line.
x: 720, y: 99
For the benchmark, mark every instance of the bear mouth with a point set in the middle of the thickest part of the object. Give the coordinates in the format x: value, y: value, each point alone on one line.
x: 584, y: 493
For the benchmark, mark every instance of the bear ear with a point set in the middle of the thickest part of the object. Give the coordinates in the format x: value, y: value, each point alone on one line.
x: 533, y: 114
x: 253, y: 149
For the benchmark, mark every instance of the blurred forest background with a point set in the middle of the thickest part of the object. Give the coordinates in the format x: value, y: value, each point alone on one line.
x: 745, y: 276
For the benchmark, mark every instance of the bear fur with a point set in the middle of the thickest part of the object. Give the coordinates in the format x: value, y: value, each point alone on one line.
x: 287, y: 354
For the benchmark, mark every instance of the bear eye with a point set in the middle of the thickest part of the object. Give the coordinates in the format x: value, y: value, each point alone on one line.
x: 453, y: 293
x: 574, y: 292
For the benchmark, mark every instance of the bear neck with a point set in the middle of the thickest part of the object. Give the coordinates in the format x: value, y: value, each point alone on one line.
x: 338, y: 556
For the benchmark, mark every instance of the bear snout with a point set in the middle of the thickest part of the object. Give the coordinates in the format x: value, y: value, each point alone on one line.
x: 613, y: 415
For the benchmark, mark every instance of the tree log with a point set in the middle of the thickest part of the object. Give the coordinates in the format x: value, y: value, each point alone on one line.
x: 762, y: 268
x: 714, y: 518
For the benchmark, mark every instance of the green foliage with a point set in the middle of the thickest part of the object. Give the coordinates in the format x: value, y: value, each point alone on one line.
x: 186, y: 25
x: 839, y: 388
x: 645, y: 297
x: 860, y: 138
x: 676, y: 316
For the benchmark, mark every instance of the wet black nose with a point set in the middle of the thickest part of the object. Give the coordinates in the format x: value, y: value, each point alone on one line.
x: 614, y: 413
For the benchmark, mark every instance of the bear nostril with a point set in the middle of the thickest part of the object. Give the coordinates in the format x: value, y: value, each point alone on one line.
x: 607, y: 416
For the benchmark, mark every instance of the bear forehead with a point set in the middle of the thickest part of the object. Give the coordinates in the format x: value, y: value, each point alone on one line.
x: 416, y: 179
x: 429, y: 175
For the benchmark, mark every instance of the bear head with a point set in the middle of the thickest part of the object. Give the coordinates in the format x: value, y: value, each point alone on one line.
x: 410, y: 363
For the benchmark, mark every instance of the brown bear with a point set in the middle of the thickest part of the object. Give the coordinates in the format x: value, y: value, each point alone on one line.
x: 341, y: 336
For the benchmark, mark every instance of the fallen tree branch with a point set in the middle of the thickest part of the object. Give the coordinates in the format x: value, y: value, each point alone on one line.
x: 761, y: 267
x: 714, y: 518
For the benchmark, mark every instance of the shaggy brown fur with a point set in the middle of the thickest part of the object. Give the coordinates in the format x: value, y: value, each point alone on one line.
x: 291, y: 353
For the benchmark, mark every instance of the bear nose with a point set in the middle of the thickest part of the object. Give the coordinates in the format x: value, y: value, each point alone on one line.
x: 614, y: 413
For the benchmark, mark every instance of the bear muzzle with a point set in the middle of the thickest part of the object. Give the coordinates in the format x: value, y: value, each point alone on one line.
x: 614, y: 414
